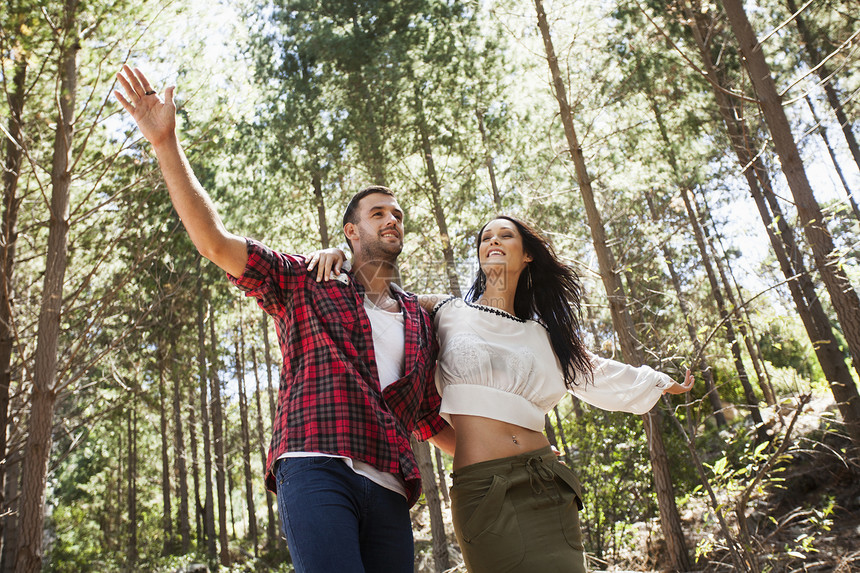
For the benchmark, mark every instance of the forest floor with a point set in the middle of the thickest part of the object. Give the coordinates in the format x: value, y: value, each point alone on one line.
x: 808, y: 520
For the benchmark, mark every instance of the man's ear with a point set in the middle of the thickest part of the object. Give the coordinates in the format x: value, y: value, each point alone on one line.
x: 350, y: 232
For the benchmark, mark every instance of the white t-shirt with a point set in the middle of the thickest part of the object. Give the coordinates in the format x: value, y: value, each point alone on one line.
x: 389, y: 348
x: 389, y: 344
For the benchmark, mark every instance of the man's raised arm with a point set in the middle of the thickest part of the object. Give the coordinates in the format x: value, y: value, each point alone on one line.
x: 157, y: 122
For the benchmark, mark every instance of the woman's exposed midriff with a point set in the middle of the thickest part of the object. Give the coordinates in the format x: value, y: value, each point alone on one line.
x: 481, y: 439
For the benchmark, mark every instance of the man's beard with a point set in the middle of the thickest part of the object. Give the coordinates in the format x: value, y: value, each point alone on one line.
x: 377, y: 249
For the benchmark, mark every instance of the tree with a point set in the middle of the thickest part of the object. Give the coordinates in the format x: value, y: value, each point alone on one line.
x: 245, y: 433
x: 45, y: 363
x: 671, y: 522
x: 842, y: 295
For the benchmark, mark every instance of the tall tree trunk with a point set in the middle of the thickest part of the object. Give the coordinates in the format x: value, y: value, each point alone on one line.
x: 702, y: 365
x: 218, y: 440
x: 842, y: 294
x: 166, y: 509
x: 781, y: 235
x: 261, y: 445
x: 179, y: 458
x: 43, y: 397
x: 826, y: 80
x: 208, y: 508
x: 441, y: 559
x: 670, y: 519
x: 246, y: 437
x: 727, y: 320
x: 131, y: 550
x: 823, y: 133
x: 8, y: 240
x: 488, y: 161
x: 740, y: 311
x: 435, y: 193
x: 195, y: 467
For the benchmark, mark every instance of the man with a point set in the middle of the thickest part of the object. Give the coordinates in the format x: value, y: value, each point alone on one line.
x: 358, y: 358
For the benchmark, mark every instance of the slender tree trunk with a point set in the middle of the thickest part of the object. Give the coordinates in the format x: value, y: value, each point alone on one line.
x: 261, y: 445
x: 488, y: 161
x: 823, y: 133
x: 842, y: 294
x: 435, y: 193
x: 195, y: 467
x: 8, y: 240
x: 702, y: 366
x: 43, y: 398
x: 431, y: 494
x: 737, y: 310
x: 208, y: 508
x: 670, y: 519
x: 166, y: 509
x: 440, y: 470
x: 550, y: 432
x: 180, y: 459
x: 781, y: 235
x: 319, y: 199
x: 246, y: 437
x: 131, y: 550
x: 218, y: 440
x: 267, y: 357
x: 113, y: 535
x: 230, y: 500
x: 826, y: 80
x: 716, y: 292
x: 10, y: 531
x: 567, y: 454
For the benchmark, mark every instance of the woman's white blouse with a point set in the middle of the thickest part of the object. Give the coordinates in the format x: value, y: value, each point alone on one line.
x: 495, y: 365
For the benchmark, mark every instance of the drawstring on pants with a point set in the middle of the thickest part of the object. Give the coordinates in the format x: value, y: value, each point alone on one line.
x: 539, y: 476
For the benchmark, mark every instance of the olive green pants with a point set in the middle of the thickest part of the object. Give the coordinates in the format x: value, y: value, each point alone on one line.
x: 519, y: 514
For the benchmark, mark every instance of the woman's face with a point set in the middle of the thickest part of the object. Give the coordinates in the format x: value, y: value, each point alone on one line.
x: 502, y: 244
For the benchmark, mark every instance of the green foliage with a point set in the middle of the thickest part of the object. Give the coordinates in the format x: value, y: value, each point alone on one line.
x: 783, y: 348
x: 293, y: 105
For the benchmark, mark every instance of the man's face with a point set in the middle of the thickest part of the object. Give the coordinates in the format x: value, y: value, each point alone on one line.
x: 378, y: 234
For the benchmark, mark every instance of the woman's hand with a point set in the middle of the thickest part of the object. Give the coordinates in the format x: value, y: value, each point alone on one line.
x: 155, y: 118
x: 326, y: 261
x: 676, y: 388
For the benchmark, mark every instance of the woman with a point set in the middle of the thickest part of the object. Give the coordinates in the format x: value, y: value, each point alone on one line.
x: 508, y: 354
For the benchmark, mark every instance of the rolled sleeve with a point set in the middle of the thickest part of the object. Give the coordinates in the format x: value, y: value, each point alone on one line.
x: 269, y: 276
x: 621, y: 387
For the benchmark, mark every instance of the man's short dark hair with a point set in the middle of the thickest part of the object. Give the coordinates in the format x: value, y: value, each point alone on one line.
x: 351, y: 213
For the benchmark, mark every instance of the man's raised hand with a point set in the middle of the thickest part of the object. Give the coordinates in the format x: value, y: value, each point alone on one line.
x: 155, y: 118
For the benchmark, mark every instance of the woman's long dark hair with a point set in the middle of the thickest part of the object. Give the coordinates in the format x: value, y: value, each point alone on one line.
x: 549, y: 290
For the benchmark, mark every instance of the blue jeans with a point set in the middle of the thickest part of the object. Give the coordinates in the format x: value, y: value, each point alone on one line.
x: 338, y: 521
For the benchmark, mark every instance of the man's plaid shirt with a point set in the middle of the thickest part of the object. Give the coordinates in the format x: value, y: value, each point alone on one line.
x: 329, y: 398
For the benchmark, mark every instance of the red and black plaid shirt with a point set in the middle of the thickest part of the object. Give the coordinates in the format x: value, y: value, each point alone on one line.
x: 330, y: 399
